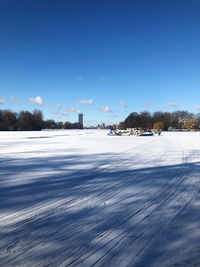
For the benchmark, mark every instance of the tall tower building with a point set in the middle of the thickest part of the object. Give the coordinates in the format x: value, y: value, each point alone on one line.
x: 80, y: 118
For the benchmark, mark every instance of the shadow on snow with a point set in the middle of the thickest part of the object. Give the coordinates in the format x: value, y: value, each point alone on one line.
x: 56, y: 210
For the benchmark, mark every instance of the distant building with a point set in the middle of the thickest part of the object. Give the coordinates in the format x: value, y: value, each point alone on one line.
x: 80, y: 118
x: 102, y: 125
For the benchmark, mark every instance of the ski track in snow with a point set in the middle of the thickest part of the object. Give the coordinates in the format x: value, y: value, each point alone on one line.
x: 82, y: 198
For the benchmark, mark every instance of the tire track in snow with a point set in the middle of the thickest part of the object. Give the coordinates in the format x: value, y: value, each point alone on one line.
x: 157, y: 197
x: 34, y: 213
x: 96, y: 173
x: 160, y: 233
x: 103, y: 197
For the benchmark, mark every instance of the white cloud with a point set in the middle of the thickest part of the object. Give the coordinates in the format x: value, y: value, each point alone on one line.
x: 84, y: 101
x: 73, y: 109
x: 79, y: 77
x: 171, y: 104
x: 58, y: 106
x: 113, y: 116
x: 64, y: 108
x: 37, y: 100
x: 123, y: 104
x: 2, y: 101
x: 197, y: 108
x: 14, y: 99
x: 105, y: 109
x: 148, y: 104
x: 64, y: 114
x: 58, y: 113
x: 102, y: 79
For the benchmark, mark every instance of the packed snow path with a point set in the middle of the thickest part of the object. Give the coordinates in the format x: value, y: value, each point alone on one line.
x: 82, y: 198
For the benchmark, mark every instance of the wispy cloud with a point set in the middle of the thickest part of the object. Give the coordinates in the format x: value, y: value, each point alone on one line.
x: 102, y: 79
x: 79, y: 77
x: 36, y: 100
x: 84, y: 101
x: 73, y: 109
x: 197, y: 108
x: 58, y: 113
x: 171, y: 104
x: 123, y: 104
x: 114, y: 116
x: 105, y: 109
x: 58, y: 106
x: 148, y: 104
x: 14, y: 99
x: 2, y: 101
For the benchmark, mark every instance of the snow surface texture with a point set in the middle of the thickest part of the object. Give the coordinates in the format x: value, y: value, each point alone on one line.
x: 82, y: 198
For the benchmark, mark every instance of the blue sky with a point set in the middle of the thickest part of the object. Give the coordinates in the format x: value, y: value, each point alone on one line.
x: 105, y: 58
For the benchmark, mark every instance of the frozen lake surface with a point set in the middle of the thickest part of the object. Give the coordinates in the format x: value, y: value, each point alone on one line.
x: 82, y: 198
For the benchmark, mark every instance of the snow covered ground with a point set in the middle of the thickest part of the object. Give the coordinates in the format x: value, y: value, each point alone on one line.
x: 82, y: 198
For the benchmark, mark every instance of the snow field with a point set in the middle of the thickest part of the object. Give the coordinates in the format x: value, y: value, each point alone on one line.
x: 82, y: 198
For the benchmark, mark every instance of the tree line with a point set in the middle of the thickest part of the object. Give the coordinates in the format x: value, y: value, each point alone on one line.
x: 31, y: 121
x: 179, y: 119
x: 34, y: 121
